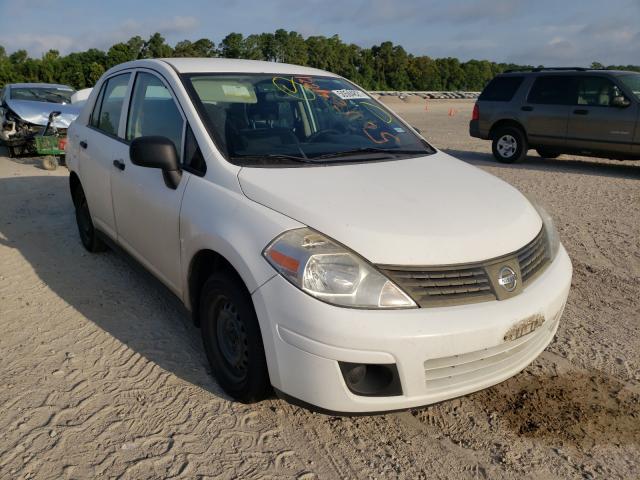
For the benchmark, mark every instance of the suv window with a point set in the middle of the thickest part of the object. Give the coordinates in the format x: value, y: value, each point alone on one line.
x: 501, y: 89
x: 154, y: 112
x: 108, y: 108
x: 596, y: 91
x: 552, y: 90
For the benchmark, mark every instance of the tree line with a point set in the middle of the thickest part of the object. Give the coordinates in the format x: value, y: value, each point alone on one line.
x: 380, y: 67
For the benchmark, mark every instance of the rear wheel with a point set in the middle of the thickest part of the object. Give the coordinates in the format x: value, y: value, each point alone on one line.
x: 545, y: 153
x: 88, y: 234
x: 509, y: 145
x: 232, y: 338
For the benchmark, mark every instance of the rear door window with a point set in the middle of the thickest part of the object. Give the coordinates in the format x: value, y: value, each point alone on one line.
x: 552, y: 90
x: 154, y: 112
x: 501, y: 89
x: 110, y: 102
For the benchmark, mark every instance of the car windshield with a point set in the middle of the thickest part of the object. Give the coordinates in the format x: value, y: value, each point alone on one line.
x: 42, y: 94
x: 632, y: 81
x: 274, y: 119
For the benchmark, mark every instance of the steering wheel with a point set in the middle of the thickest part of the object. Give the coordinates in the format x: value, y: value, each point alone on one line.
x: 320, y: 134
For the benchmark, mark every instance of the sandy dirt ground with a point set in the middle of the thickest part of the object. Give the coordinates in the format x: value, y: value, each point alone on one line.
x: 103, y: 375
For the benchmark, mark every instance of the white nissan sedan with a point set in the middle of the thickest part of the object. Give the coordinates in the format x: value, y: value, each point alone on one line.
x: 323, y: 246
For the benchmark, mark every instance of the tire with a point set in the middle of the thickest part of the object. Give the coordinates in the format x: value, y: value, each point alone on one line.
x: 544, y: 153
x: 509, y: 145
x: 49, y: 162
x: 232, y: 338
x: 86, y: 230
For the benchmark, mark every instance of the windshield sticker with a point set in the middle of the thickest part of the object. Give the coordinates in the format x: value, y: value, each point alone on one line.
x: 239, y: 91
x: 399, y: 130
x: 350, y: 94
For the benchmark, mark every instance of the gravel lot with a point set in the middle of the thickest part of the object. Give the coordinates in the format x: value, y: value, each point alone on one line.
x: 103, y: 375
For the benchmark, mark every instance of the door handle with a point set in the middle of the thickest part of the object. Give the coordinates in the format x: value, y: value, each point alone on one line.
x: 83, y: 144
x: 119, y: 164
x: 581, y: 112
x: 527, y: 108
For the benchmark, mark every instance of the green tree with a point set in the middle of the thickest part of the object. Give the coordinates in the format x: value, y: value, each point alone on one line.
x: 156, y: 47
x: 232, y: 46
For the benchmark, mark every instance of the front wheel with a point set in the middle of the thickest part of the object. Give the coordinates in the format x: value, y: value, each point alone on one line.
x: 232, y: 338
x: 509, y: 145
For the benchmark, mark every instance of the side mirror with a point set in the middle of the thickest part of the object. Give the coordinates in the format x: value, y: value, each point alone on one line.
x: 157, y: 152
x: 620, y: 102
x: 417, y: 129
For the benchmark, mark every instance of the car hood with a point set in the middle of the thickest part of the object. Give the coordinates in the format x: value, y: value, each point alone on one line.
x: 432, y: 210
x: 37, y: 113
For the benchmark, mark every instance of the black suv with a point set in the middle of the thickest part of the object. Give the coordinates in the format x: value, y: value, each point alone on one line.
x: 562, y: 110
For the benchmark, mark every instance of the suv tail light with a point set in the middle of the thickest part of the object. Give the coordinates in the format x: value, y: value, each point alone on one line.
x: 476, y: 112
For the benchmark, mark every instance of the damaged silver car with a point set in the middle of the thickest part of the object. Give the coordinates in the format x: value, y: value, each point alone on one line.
x: 25, y: 113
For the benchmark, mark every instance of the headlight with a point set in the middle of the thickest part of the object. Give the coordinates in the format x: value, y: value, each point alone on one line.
x: 331, y: 273
x: 553, y: 239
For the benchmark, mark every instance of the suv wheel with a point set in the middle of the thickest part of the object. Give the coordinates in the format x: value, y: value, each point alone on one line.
x: 232, y: 338
x: 88, y: 235
x: 509, y: 145
x: 544, y: 153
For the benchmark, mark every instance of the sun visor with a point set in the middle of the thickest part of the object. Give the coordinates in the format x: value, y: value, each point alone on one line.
x: 212, y: 90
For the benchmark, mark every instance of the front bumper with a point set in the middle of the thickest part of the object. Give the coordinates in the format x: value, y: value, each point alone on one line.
x: 440, y: 353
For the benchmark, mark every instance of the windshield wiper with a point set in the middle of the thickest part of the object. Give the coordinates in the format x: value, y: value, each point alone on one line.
x: 273, y: 156
x: 357, y: 151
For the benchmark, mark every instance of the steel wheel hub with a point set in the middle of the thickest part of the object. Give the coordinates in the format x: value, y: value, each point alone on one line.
x: 232, y: 339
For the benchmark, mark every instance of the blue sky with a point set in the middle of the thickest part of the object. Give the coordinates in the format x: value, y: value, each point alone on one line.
x: 550, y: 32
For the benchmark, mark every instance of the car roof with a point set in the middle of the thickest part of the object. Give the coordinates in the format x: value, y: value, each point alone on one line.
x: 37, y: 85
x: 232, y: 65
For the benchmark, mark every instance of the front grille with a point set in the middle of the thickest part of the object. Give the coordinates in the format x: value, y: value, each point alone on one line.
x: 467, y: 283
x: 533, y: 257
x: 437, y: 287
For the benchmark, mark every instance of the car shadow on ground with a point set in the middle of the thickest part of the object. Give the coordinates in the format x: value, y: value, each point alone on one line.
x: 110, y: 289
x: 586, y: 166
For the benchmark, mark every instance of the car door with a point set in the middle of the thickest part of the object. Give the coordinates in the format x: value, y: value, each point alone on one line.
x: 595, y: 123
x: 147, y: 211
x: 545, y: 113
x: 100, y: 142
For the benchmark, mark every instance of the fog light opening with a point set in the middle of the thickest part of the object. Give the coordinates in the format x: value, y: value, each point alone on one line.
x: 371, y: 380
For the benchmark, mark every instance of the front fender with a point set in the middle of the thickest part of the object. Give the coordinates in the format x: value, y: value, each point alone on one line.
x: 228, y: 223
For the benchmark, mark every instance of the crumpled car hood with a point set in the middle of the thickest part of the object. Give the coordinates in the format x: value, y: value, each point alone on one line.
x: 37, y: 113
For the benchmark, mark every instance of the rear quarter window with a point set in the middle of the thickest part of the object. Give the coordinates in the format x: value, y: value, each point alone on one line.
x: 501, y: 89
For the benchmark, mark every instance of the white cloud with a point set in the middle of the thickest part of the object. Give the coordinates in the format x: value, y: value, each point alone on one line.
x: 37, y: 43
